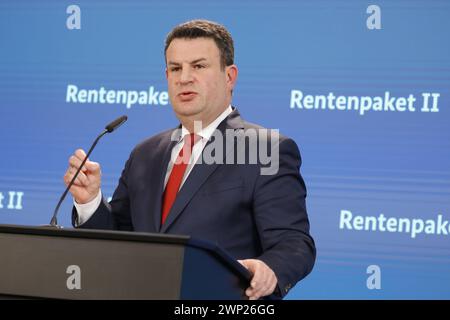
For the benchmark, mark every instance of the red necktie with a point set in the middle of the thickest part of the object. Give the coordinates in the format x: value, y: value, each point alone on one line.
x: 176, y: 176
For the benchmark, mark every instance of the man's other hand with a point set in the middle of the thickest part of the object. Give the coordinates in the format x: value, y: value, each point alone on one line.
x: 263, y: 281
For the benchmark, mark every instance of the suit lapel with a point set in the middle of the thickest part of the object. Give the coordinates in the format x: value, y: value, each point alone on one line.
x: 199, y: 173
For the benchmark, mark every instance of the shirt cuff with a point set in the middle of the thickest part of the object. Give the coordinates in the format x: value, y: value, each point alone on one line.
x: 86, y: 210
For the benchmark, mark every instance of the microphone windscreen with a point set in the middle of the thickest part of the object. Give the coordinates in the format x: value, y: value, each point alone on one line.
x: 116, y: 123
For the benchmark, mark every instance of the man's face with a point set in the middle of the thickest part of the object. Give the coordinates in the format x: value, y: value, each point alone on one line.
x: 198, y: 87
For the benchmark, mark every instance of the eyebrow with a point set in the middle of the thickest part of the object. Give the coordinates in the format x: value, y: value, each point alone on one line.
x: 192, y: 62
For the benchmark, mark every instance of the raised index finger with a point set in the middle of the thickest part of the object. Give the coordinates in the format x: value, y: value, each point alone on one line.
x: 80, y: 154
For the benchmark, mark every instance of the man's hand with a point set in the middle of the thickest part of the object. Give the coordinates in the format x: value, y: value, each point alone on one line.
x: 87, y: 184
x: 264, y: 280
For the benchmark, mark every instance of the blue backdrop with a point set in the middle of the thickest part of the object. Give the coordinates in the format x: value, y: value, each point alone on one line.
x: 376, y: 157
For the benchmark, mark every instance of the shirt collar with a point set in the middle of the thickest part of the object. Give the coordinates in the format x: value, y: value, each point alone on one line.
x: 208, y: 131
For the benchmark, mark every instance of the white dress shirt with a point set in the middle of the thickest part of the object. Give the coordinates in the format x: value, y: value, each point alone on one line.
x: 85, y: 211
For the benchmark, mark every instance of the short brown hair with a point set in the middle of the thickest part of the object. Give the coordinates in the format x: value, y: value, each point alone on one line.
x: 205, y: 29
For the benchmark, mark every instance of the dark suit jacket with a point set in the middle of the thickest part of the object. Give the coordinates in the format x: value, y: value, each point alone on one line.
x: 248, y: 214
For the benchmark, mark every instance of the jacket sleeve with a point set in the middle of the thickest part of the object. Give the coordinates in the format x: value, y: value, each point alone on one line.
x: 282, y: 220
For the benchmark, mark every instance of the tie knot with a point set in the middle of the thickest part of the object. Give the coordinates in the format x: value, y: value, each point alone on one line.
x: 191, y: 139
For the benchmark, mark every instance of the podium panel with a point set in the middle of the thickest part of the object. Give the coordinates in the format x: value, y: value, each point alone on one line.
x: 91, y: 264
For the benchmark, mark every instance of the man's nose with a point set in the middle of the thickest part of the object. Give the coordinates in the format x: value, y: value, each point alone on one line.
x: 186, y: 75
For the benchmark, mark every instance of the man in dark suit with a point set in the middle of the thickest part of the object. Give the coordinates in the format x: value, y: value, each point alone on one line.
x: 170, y: 185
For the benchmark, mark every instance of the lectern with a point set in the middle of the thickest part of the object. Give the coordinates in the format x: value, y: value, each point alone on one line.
x: 42, y: 262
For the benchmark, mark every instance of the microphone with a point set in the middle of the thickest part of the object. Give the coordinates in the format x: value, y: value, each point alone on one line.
x: 108, y: 129
x: 116, y: 123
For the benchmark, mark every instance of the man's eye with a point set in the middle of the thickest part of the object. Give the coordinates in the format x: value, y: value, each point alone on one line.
x: 175, y: 69
x: 199, y: 66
